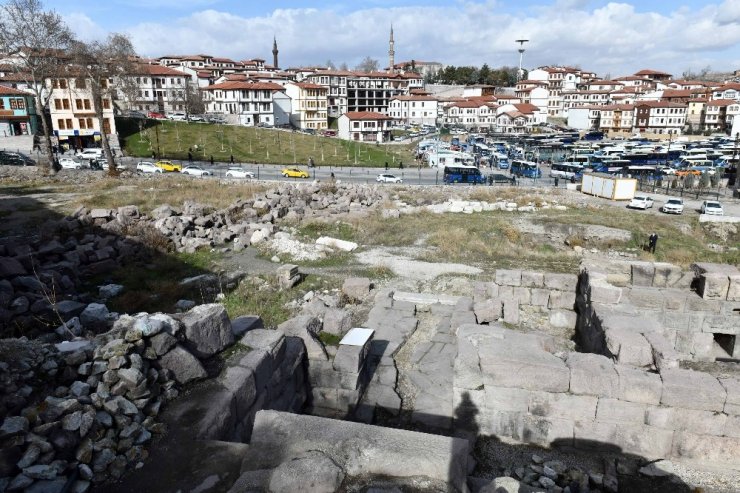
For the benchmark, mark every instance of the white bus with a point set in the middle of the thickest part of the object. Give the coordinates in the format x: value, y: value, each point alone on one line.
x: 568, y: 171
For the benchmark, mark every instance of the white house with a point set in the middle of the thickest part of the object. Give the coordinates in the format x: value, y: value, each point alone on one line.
x: 245, y: 103
x: 365, y: 126
x: 414, y: 110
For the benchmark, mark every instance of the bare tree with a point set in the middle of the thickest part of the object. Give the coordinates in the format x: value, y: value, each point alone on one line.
x: 104, y: 64
x: 368, y: 65
x: 35, y: 41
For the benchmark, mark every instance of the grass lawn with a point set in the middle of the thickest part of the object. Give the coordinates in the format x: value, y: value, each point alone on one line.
x: 251, y: 144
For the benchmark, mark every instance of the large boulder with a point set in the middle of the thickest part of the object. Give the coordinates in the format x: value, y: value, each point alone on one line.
x: 207, y: 329
x: 183, y: 365
x: 314, y: 472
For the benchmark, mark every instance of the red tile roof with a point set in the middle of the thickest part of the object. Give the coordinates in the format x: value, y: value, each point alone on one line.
x: 235, y: 85
x: 366, y: 115
x: 651, y: 72
x: 5, y: 90
x: 308, y: 85
x: 156, y: 69
x: 721, y: 102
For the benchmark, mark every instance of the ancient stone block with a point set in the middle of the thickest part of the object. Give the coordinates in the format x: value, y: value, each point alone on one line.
x: 562, y: 299
x: 561, y: 282
x: 600, y: 291
x: 629, y: 346
x: 563, y: 319
x: 616, y: 411
x: 547, y: 431
x: 506, y: 399
x: 488, y: 311
x: 692, y: 420
x: 533, y: 279
x: 693, y: 390
x: 717, y: 451
x: 356, y: 288
x: 637, y: 385
x: 562, y: 406
x: 647, y: 441
x: 507, y: 277
x: 642, y: 273
x: 207, y: 329
x: 592, y: 374
x: 732, y: 403
x: 183, y: 365
x: 540, y: 296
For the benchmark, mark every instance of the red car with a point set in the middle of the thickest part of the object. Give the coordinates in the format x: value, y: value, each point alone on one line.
x: 156, y: 116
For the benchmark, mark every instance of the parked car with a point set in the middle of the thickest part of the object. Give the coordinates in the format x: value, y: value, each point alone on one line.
x: 236, y: 172
x: 641, y: 202
x: 673, y: 206
x: 196, y: 171
x: 712, y: 208
x: 498, y: 178
x: 155, y: 115
x: 15, y: 159
x: 196, y: 118
x: 168, y: 165
x: 146, y: 167
x: 69, y: 163
x: 292, y: 172
x: 178, y: 117
x: 386, y: 178
x: 91, y: 153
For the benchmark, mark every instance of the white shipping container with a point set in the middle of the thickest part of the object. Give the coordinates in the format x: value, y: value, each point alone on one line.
x: 608, y: 186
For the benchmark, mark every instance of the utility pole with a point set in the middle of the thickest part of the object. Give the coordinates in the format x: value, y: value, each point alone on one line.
x: 520, y: 74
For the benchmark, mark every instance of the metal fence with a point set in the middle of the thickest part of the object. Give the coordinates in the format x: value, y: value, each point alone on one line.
x: 666, y: 188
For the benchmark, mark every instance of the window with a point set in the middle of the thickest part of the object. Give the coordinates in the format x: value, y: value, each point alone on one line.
x: 60, y: 124
x: 69, y: 123
x: 106, y: 104
x: 90, y: 123
x: 62, y: 83
x: 87, y: 104
x: 106, y: 125
x: 82, y: 123
x: 78, y: 104
x: 80, y: 83
x: 57, y: 104
x: 104, y: 83
x: 17, y: 104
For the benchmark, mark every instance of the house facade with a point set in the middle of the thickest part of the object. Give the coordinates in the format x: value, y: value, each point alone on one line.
x: 308, y: 105
x: 365, y: 126
x: 414, y: 110
x: 245, y: 103
x: 660, y: 117
x: 158, y: 88
x: 72, y: 113
x: 17, y: 112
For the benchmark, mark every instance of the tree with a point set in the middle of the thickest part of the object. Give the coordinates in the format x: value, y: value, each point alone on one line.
x: 368, y: 65
x: 36, y: 41
x: 484, y: 74
x: 104, y: 64
x: 343, y: 66
x: 330, y: 65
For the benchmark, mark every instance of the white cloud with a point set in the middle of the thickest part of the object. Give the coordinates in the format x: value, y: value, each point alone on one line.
x: 84, y: 28
x: 615, y: 38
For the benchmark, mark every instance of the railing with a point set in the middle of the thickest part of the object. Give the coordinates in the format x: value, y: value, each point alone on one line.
x: 725, y: 193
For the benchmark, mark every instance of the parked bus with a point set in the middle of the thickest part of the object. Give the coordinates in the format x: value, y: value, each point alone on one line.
x: 569, y: 171
x: 462, y: 174
x: 527, y: 169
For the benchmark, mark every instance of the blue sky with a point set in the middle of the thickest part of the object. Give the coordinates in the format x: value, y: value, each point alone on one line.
x: 611, y: 38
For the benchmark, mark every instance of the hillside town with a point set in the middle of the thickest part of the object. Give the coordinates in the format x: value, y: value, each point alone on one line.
x: 365, y: 105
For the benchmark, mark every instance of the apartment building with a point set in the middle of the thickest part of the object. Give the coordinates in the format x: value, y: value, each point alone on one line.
x: 715, y: 115
x: 335, y: 82
x: 572, y: 99
x: 308, y: 105
x: 559, y: 79
x: 373, y: 91
x: 534, y: 92
x: 695, y: 113
x: 157, y: 88
x: 519, y: 117
x: 364, y: 126
x: 72, y: 112
x: 660, y: 117
x: 727, y: 91
x: 248, y: 103
x: 414, y: 110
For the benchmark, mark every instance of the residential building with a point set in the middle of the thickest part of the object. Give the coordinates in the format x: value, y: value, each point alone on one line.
x: 471, y: 114
x: 335, y: 82
x: 695, y: 111
x: 156, y: 88
x: 17, y: 112
x: 414, y: 110
x: 425, y: 69
x: 364, y: 126
x: 727, y: 91
x: 659, y: 117
x: 534, y: 92
x: 654, y: 75
x: 715, y: 115
x: 519, y: 118
x: 247, y: 102
x: 308, y: 105
x: 373, y: 91
x: 573, y: 99
x: 559, y: 79
x: 72, y: 112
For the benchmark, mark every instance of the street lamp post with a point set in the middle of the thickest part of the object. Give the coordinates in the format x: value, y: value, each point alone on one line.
x: 520, y: 74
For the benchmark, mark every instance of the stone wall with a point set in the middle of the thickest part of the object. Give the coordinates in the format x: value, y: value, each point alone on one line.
x: 535, y: 299
x: 519, y: 389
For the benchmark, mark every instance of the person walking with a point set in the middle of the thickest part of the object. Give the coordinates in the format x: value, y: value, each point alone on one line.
x: 190, y: 156
x: 232, y: 159
x: 211, y: 160
x: 652, y: 242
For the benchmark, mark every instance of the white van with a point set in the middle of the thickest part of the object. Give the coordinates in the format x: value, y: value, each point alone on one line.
x: 91, y: 153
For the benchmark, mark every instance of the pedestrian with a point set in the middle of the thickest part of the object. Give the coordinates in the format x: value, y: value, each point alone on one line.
x: 211, y: 159
x: 386, y: 165
x: 652, y: 242
x: 232, y: 159
x: 190, y: 156
x: 400, y: 165
x: 310, y: 162
x: 557, y: 180
x: 154, y: 156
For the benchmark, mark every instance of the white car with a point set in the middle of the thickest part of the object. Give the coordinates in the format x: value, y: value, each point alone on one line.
x: 67, y: 163
x: 179, y: 117
x: 94, y: 153
x: 673, y: 206
x: 146, y: 167
x: 712, y: 208
x: 195, y: 171
x: 237, y: 172
x: 386, y: 178
x: 641, y: 202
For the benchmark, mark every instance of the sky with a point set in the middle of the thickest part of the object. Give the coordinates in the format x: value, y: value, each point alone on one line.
x: 610, y: 38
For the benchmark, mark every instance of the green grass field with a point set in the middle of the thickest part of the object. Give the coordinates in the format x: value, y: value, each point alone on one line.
x: 172, y: 140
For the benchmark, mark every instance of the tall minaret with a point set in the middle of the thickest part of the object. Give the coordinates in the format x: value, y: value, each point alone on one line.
x: 274, y: 53
x: 391, y: 53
